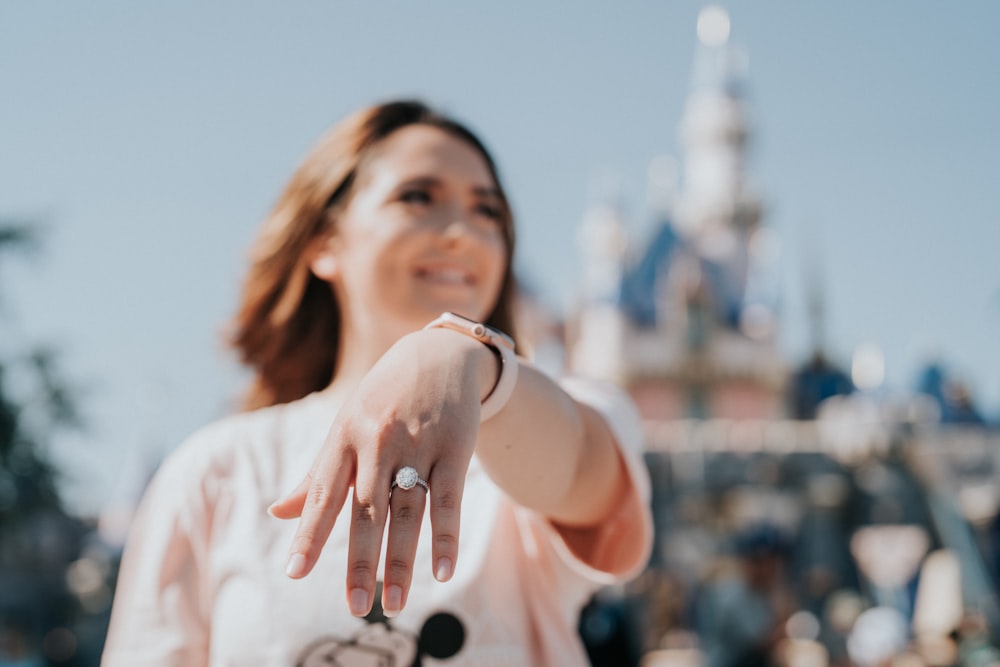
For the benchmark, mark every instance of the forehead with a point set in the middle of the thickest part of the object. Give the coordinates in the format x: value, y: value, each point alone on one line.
x: 424, y: 150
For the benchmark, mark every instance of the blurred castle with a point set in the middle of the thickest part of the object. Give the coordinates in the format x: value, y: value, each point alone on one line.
x: 775, y: 496
x: 689, y: 326
x: 687, y: 322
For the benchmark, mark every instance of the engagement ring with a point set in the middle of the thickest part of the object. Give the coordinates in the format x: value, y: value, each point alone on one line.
x: 407, y: 478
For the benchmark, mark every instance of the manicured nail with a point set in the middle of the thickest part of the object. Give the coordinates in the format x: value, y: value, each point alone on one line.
x: 270, y: 509
x: 443, y: 570
x: 393, y: 600
x: 296, y: 566
x: 358, y: 602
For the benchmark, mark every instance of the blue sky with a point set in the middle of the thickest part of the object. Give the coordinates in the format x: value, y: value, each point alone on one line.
x: 152, y: 138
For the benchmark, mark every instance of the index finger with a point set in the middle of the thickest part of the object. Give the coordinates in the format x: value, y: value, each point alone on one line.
x: 330, y: 480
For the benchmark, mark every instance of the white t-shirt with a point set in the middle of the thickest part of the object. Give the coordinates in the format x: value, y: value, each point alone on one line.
x: 202, y: 579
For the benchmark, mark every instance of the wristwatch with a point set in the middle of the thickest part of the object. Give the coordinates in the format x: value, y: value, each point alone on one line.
x: 478, y: 330
x: 504, y: 347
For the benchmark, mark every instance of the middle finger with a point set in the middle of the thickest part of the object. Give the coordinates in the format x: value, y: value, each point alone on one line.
x: 370, y: 504
x: 406, y: 507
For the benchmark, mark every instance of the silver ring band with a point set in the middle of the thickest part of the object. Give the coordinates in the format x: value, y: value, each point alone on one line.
x: 407, y: 478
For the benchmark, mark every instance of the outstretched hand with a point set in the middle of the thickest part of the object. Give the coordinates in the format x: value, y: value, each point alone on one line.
x: 418, y: 406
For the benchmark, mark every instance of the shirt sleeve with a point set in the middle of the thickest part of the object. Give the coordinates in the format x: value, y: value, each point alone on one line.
x: 161, y: 606
x: 620, y: 547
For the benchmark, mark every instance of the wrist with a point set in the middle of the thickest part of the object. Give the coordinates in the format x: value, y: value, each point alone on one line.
x: 481, y: 362
x: 501, y: 347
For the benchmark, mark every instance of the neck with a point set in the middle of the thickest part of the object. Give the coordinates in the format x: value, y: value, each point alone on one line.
x: 359, y: 349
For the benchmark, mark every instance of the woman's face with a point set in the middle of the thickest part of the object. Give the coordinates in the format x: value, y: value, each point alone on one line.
x: 422, y: 234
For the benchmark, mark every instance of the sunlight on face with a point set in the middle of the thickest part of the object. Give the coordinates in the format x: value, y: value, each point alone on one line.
x: 422, y: 233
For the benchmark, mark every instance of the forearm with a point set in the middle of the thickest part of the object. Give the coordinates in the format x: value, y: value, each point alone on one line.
x: 544, y: 449
x: 552, y: 454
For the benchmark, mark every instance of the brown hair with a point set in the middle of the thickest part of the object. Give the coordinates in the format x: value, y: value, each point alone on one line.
x: 287, y: 328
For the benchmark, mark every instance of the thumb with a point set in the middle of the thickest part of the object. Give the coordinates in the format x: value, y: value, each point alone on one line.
x: 290, y: 507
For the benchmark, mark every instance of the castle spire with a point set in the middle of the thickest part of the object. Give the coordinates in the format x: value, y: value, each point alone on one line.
x: 717, y: 210
x: 598, y: 351
x: 603, y: 239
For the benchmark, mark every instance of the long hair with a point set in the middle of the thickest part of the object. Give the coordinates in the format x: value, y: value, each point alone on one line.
x: 287, y: 328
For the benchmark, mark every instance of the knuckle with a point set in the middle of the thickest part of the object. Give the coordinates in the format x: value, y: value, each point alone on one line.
x: 390, y: 430
x: 303, y: 542
x: 365, y: 511
x: 397, y: 568
x: 446, y: 501
x: 446, y: 541
x: 404, y: 514
x: 338, y: 433
x: 390, y: 426
x: 361, y: 570
x: 319, y: 494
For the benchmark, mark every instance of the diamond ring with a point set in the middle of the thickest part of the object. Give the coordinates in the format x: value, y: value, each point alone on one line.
x: 407, y: 478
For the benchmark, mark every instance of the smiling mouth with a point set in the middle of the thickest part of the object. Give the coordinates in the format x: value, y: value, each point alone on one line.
x: 446, y: 276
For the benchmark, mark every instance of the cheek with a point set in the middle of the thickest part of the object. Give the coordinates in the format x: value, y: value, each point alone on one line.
x: 368, y: 262
x: 498, y: 258
x: 382, y: 246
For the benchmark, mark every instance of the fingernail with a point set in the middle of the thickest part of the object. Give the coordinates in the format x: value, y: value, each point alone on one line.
x: 270, y: 509
x: 358, y: 602
x: 393, y: 600
x: 296, y: 566
x: 443, y: 570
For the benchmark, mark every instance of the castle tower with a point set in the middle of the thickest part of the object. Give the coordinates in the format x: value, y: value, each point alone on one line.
x: 717, y: 210
x: 600, y: 328
x: 692, y: 331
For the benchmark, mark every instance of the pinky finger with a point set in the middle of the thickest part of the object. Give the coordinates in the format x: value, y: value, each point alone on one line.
x: 445, y: 511
x: 290, y: 507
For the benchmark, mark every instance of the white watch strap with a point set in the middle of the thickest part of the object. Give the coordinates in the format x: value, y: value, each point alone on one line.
x: 504, y: 387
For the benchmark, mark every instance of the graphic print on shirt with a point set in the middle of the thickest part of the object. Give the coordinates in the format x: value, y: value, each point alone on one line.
x: 378, y: 644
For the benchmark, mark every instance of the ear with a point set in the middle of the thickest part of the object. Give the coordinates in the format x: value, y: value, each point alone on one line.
x: 324, y: 262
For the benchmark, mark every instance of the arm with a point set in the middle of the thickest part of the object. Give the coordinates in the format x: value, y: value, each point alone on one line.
x: 552, y: 454
x: 158, y: 617
x: 419, y: 406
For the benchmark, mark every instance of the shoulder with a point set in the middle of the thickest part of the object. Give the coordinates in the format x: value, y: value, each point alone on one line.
x: 226, y: 439
x: 250, y: 443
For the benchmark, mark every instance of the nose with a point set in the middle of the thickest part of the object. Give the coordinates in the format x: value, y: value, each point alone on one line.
x: 458, y: 224
x: 456, y: 227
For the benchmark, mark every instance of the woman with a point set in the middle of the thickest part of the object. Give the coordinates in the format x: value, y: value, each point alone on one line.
x: 486, y: 501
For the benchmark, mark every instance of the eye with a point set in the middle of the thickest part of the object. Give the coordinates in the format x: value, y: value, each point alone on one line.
x: 490, y: 211
x: 415, y: 196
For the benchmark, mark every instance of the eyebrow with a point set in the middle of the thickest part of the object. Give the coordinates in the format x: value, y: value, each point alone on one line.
x: 492, y: 193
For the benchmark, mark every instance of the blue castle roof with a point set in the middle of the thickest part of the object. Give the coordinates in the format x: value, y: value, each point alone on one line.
x: 638, y: 295
x: 638, y: 289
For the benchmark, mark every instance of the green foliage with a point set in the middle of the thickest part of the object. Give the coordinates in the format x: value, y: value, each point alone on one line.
x: 30, y: 416
x: 17, y: 237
